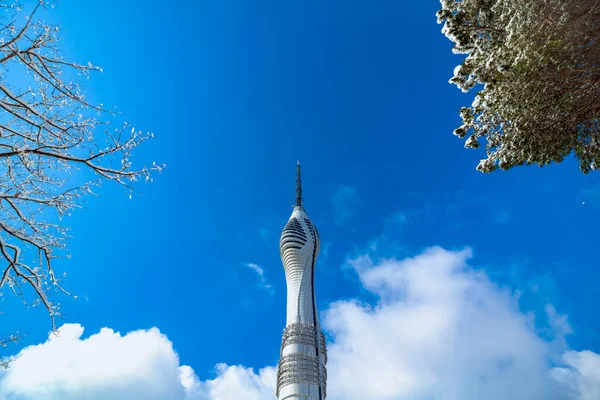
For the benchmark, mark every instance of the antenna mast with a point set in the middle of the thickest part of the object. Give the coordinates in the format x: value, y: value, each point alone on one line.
x: 298, y: 185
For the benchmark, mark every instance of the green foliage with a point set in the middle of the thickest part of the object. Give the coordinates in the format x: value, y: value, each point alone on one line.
x: 536, y: 67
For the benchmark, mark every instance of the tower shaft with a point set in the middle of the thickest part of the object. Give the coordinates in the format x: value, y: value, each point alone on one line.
x: 301, y: 370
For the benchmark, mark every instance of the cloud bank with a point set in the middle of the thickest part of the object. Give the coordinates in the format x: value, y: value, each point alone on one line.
x: 439, y: 329
x: 139, y: 365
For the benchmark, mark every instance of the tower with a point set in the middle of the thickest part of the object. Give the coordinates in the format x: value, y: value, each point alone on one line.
x: 301, y: 372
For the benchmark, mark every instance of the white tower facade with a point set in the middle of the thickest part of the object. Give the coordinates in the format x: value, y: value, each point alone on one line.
x: 301, y: 372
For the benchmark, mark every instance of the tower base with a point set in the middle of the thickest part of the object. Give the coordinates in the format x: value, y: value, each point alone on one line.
x: 301, y: 372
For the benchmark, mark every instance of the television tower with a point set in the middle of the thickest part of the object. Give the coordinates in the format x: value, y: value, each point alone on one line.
x: 301, y: 372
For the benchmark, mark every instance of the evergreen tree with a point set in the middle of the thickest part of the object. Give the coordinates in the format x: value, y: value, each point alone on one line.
x: 536, y: 67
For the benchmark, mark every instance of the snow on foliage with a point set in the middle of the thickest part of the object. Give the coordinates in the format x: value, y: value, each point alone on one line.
x: 536, y: 66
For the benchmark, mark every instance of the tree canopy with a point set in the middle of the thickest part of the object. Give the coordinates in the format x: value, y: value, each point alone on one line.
x: 536, y: 68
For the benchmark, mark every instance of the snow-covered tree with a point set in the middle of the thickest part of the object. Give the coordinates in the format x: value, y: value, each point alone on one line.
x: 47, y: 130
x: 536, y: 67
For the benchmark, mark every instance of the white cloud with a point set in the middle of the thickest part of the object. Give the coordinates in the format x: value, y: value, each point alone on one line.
x: 261, y: 275
x: 256, y: 268
x: 139, y: 365
x: 581, y: 373
x: 439, y: 329
x: 239, y: 383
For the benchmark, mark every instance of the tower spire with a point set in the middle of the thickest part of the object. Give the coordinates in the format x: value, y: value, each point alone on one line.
x: 298, y: 185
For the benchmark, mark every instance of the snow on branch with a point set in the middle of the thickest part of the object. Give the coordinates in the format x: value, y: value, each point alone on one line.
x: 47, y: 130
x: 536, y: 67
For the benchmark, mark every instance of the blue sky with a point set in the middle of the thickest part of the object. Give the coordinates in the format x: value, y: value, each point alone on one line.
x: 235, y: 93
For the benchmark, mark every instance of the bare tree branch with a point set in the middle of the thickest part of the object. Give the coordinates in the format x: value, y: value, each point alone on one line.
x: 47, y: 130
